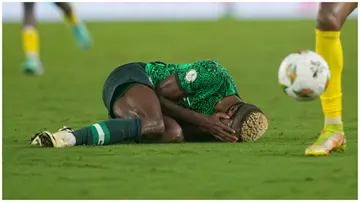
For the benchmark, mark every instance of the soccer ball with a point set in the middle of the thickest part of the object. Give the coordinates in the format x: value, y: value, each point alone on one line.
x: 304, y: 75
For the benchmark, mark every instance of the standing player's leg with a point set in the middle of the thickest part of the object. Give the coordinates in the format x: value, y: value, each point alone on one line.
x: 330, y: 19
x: 229, y: 10
x: 79, y: 29
x: 32, y: 64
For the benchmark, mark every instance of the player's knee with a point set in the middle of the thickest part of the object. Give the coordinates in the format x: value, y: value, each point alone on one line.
x: 153, y: 126
x: 328, y: 21
x: 65, y: 7
x: 179, y: 137
x: 173, y: 131
x: 175, y: 135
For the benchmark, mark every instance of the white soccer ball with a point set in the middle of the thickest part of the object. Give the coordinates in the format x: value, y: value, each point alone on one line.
x: 304, y: 75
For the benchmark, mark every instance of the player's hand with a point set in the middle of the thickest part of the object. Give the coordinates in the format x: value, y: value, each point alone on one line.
x: 218, y: 129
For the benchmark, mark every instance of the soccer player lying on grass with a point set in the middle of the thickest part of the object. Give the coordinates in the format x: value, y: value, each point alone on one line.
x: 147, y: 101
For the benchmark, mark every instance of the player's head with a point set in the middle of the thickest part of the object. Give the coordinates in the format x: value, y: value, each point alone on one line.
x: 248, y: 121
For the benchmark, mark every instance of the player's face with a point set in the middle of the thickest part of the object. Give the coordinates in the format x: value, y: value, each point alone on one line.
x: 237, y: 124
x: 232, y: 110
x: 228, y: 104
x: 234, y: 121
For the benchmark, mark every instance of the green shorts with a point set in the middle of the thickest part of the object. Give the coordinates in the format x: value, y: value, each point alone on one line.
x: 121, y: 80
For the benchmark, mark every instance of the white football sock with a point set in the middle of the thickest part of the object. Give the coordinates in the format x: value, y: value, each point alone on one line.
x: 336, y: 120
x: 69, y: 138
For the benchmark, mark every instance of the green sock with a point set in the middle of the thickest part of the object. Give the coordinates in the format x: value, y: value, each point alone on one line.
x: 109, y: 132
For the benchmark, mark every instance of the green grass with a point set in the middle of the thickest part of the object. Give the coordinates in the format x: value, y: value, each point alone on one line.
x: 70, y: 94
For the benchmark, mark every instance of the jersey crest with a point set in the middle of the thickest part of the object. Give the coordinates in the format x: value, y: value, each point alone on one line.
x: 191, y: 76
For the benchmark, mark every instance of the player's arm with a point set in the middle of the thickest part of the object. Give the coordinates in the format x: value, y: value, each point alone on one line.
x: 169, y: 91
x: 193, y: 133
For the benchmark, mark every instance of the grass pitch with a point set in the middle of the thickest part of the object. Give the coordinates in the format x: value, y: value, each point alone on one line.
x: 70, y: 94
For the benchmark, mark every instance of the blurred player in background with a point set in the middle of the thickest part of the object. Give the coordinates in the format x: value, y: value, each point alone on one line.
x: 32, y: 64
x: 147, y: 101
x: 330, y: 19
x: 229, y: 10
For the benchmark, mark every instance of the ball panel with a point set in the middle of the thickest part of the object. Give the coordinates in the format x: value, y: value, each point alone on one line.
x: 284, y: 87
x: 304, y: 93
x: 291, y: 72
x: 304, y: 75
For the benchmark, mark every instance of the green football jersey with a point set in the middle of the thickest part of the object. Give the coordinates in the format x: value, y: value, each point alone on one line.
x: 205, y: 82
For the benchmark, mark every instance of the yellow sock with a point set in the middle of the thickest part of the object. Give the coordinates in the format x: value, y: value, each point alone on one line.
x: 30, y: 41
x: 328, y: 45
x: 71, y: 19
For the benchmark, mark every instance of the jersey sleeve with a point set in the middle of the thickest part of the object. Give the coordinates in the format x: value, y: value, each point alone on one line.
x: 201, y: 77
